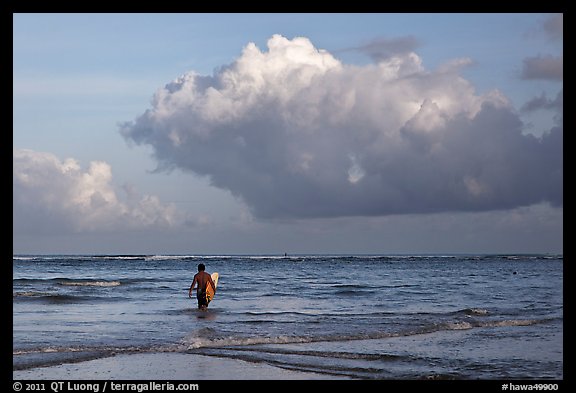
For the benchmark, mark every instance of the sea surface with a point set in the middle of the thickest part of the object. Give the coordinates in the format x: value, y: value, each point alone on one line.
x: 359, y: 317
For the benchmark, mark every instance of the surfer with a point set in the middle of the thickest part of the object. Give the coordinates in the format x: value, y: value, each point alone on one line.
x: 202, y: 279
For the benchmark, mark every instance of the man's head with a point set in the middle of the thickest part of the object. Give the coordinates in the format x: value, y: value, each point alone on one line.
x: 201, y: 267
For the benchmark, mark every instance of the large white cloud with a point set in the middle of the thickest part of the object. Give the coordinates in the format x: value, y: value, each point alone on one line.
x: 60, y: 196
x: 295, y: 132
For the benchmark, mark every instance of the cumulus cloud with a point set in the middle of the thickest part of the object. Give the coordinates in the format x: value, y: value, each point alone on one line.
x: 294, y: 132
x: 55, y: 195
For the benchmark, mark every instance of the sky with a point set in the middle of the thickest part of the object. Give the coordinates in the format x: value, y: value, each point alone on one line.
x: 287, y: 133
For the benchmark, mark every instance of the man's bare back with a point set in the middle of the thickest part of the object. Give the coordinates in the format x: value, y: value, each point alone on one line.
x: 202, y: 279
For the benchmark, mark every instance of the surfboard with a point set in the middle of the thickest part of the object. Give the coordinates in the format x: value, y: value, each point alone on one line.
x: 209, y: 289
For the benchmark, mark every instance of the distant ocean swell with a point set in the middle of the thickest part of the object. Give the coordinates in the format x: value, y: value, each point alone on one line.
x: 71, y: 282
x: 289, y: 258
x: 51, y: 294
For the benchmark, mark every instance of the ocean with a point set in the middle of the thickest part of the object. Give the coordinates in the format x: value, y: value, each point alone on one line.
x: 338, y: 316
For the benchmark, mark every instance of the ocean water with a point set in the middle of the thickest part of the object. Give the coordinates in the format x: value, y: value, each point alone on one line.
x: 359, y: 317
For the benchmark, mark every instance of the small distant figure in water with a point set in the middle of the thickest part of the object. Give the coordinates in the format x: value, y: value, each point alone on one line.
x: 514, y: 272
x: 202, y: 279
x: 285, y: 255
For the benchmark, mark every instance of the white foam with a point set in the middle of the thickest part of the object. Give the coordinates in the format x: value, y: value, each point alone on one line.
x: 200, y: 342
x: 478, y: 311
x: 91, y: 283
x: 512, y: 322
x: 459, y: 325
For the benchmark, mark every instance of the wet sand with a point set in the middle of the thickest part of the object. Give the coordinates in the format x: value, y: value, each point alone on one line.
x: 163, y: 366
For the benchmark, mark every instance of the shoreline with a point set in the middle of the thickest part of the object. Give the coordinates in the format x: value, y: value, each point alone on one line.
x: 164, y: 366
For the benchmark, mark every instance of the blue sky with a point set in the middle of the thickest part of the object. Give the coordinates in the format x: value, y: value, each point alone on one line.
x: 80, y: 81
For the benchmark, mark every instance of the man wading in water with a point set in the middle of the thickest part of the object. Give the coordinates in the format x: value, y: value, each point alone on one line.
x: 202, y: 279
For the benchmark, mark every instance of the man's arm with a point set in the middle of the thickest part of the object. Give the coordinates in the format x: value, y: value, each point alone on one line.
x: 192, y: 285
